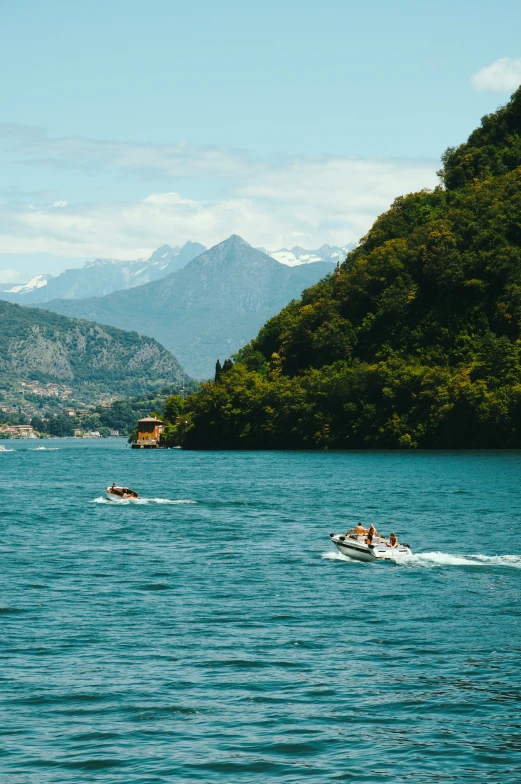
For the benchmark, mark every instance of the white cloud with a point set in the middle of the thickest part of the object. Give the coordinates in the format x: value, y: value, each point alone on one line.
x: 308, y: 203
x: 503, y: 76
x: 33, y: 146
x: 9, y: 276
x: 273, y: 202
x: 132, y: 230
x: 350, y: 192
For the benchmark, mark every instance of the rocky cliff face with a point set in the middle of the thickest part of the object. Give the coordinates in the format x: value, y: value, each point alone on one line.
x: 36, y: 344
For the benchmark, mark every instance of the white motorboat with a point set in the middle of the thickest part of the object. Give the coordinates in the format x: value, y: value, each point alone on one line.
x: 354, y: 546
x: 116, y: 493
x: 4, y: 449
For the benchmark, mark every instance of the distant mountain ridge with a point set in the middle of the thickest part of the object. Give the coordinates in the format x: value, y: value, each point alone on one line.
x: 209, y: 308
x: 99, y: 277
x: 102, y: 276
x: 39, y: 345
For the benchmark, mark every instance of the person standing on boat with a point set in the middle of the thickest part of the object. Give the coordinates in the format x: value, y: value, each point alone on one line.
x: 360, y: 530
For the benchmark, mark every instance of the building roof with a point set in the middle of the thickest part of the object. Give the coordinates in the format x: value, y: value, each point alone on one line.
x: 150, y: 419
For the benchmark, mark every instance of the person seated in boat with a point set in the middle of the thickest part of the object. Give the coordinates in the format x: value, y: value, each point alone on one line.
x: 369, y: 538
x: 115, y: 490
x: 358, y: 530
x: 393, y: 541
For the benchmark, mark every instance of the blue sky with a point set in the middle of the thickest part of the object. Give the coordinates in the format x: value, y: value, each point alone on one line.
x: 124, y: 125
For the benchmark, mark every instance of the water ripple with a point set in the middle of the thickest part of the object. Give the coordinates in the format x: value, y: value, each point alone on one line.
x: 209, y: 633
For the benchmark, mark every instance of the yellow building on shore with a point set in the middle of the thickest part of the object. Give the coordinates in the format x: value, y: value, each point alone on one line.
x: 149, y: 432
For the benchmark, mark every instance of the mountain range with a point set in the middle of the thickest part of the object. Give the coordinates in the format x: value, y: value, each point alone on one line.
x: 209, y: 308
x: 89, y: 358
x: 102, y: 276
x: 99, y: 277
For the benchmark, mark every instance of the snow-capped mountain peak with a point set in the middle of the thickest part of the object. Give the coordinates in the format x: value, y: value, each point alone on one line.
x: 164, y: 254
x: 298, y: 255
x: 36, y: 282
x: 99, y: 277
x: 106, y: 263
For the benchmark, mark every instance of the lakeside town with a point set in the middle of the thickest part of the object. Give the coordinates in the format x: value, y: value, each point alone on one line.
x: 30, y: 398
x: 32, y: 409
x: 28, y: 431
x: 158, y: 412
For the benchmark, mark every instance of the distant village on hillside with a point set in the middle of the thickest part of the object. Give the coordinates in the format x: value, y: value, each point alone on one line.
x: 42, y: 426
x: 28, y: 399
x: 32, y: 409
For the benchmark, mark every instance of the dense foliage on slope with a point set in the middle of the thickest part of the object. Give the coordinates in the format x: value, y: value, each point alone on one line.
x: 36, y: 344
x: 417, y: 343
x: 493, y: 148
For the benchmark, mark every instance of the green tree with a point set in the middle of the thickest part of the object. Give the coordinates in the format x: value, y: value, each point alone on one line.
x: 39, y: 425
x: 61, y: 426
x: 227, y: 365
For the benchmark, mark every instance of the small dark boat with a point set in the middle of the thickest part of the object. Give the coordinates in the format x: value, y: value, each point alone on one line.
x: 116, y: 493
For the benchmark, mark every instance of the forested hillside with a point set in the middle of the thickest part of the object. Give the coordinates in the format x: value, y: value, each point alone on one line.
x: 89, y: 358
x: 416, y: 344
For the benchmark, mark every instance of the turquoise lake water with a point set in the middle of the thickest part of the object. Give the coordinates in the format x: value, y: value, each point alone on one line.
x: 211, y: 633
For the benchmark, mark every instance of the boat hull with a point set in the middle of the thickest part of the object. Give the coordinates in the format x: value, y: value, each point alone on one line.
x: 358, y: 550
x: 129, y: 496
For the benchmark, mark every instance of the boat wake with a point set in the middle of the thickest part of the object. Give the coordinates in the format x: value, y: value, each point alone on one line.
x: 7, y: 450
x: 45, y: 449
x: 431, y: 560
x: 449, y: 559
x: 336, y: 556
x: 140, y: 501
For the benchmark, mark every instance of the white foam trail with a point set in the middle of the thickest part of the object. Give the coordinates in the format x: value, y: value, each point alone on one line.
x: 45, y: 449
x: 449, y: 559
x: 140, y: 501
x: 332, y: 556
x: 6, y: 450
x: 442, y: 559
x: 438, y: 558
x: 165, y: 501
